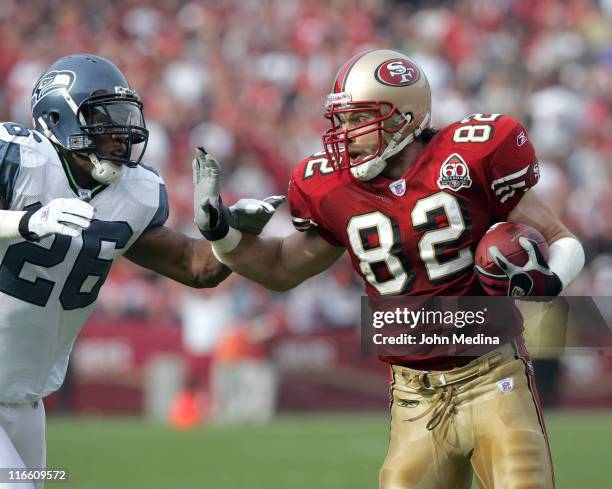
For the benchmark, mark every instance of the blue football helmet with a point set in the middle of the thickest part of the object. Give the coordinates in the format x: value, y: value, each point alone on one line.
x: 81, y: 100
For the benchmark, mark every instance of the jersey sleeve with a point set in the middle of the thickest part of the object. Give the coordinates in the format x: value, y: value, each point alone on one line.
x: 300, y: 214
x: 163, y: 209
x: 512, y: 170
x: 10, y: 161
x: 304, y: 213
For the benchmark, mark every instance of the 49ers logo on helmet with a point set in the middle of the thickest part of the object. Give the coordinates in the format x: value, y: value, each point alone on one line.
x: 397, y: 73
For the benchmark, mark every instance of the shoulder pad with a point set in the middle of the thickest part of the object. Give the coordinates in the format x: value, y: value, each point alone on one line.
x: 34, y: 148
x: 142, y: 172
x: 481, y: 133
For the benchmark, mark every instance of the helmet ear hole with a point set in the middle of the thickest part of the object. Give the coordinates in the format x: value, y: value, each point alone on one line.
x: 54, y: 117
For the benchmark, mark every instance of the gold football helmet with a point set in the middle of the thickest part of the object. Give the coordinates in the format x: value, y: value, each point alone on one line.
x: 396, y: 89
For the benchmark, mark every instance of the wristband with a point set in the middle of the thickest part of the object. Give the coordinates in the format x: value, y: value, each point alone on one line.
x: 24, y: 227
x: 218, y: 232
x: 227, y: 243
x: 566, y: 259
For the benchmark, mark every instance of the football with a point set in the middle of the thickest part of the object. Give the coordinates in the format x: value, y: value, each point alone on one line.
x: 505, y: 235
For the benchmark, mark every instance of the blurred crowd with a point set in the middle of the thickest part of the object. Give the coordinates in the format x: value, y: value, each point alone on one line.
x: 247, y: 79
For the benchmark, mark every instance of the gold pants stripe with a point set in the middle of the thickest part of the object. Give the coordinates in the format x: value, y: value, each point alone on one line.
x: 522, y: 353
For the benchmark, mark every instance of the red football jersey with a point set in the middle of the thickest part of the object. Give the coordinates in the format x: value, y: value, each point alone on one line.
x: 417, y: 235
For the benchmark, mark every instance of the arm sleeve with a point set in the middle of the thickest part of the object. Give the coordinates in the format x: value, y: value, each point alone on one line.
x: 513, y: 169
x: 304, y: 217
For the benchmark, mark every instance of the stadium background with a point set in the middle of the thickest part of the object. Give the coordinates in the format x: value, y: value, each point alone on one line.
x: 247, y: 80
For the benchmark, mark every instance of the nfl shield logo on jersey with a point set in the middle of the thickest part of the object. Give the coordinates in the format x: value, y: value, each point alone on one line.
x: 506, y: 385
x: 398, y: 187
x: 454, y: 173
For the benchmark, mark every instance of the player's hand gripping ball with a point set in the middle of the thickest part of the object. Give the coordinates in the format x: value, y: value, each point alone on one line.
x: 511, y: 259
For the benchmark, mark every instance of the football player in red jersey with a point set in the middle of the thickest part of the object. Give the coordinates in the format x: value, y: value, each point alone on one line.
x: 409, y: 203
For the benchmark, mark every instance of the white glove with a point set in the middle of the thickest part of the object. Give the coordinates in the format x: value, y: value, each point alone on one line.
x: 60, y: 216
x: 215, y: 219
x: 252, y: 215
x: 534, y: 278
x: 206, y: 182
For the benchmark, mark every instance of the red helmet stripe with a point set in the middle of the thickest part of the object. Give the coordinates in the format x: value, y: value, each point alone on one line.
x: 340, y: 82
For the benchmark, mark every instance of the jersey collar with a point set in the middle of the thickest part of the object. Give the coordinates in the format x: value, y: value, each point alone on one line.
x: 82, y: 193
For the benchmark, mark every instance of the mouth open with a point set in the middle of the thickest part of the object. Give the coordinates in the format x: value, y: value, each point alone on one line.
x: 118, y: 152
x: 357, y: 153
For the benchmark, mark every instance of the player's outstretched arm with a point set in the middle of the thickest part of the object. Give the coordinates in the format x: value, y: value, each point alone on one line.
x: 191, y: 261
x: 174, y: 255
x: 281, y: 264
x: 278, y: 264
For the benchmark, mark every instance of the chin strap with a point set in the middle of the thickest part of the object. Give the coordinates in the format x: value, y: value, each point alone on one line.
x: 370, y: 169
x: 47, y: 132
x: 104, y: 171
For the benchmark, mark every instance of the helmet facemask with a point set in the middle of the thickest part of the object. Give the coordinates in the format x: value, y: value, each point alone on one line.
x: 112, y: 134
x: 387, y: 122
x: 84, y: 104
x: 394, y: 91
x: 105, y: 119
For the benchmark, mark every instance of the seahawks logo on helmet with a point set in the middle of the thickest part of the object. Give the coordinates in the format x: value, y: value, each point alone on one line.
x: 52, y: 81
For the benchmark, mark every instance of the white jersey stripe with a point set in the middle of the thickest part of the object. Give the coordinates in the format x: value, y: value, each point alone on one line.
x: 512, y: 176
x: 501, y: 190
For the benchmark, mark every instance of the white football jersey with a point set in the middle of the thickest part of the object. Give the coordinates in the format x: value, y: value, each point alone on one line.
x: 48, y: 289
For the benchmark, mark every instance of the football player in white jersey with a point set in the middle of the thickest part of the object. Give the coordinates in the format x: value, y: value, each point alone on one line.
x: 74, y: 198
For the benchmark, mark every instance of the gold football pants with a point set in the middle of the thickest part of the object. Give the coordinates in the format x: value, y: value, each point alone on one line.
x: 483, y: 418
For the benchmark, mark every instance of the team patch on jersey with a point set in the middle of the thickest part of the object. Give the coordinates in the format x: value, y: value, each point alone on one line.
x: 397, y: 73
x: 52, y: 81
x: 398, y: 187
x: 506, y: 385
x: 454, y: 173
